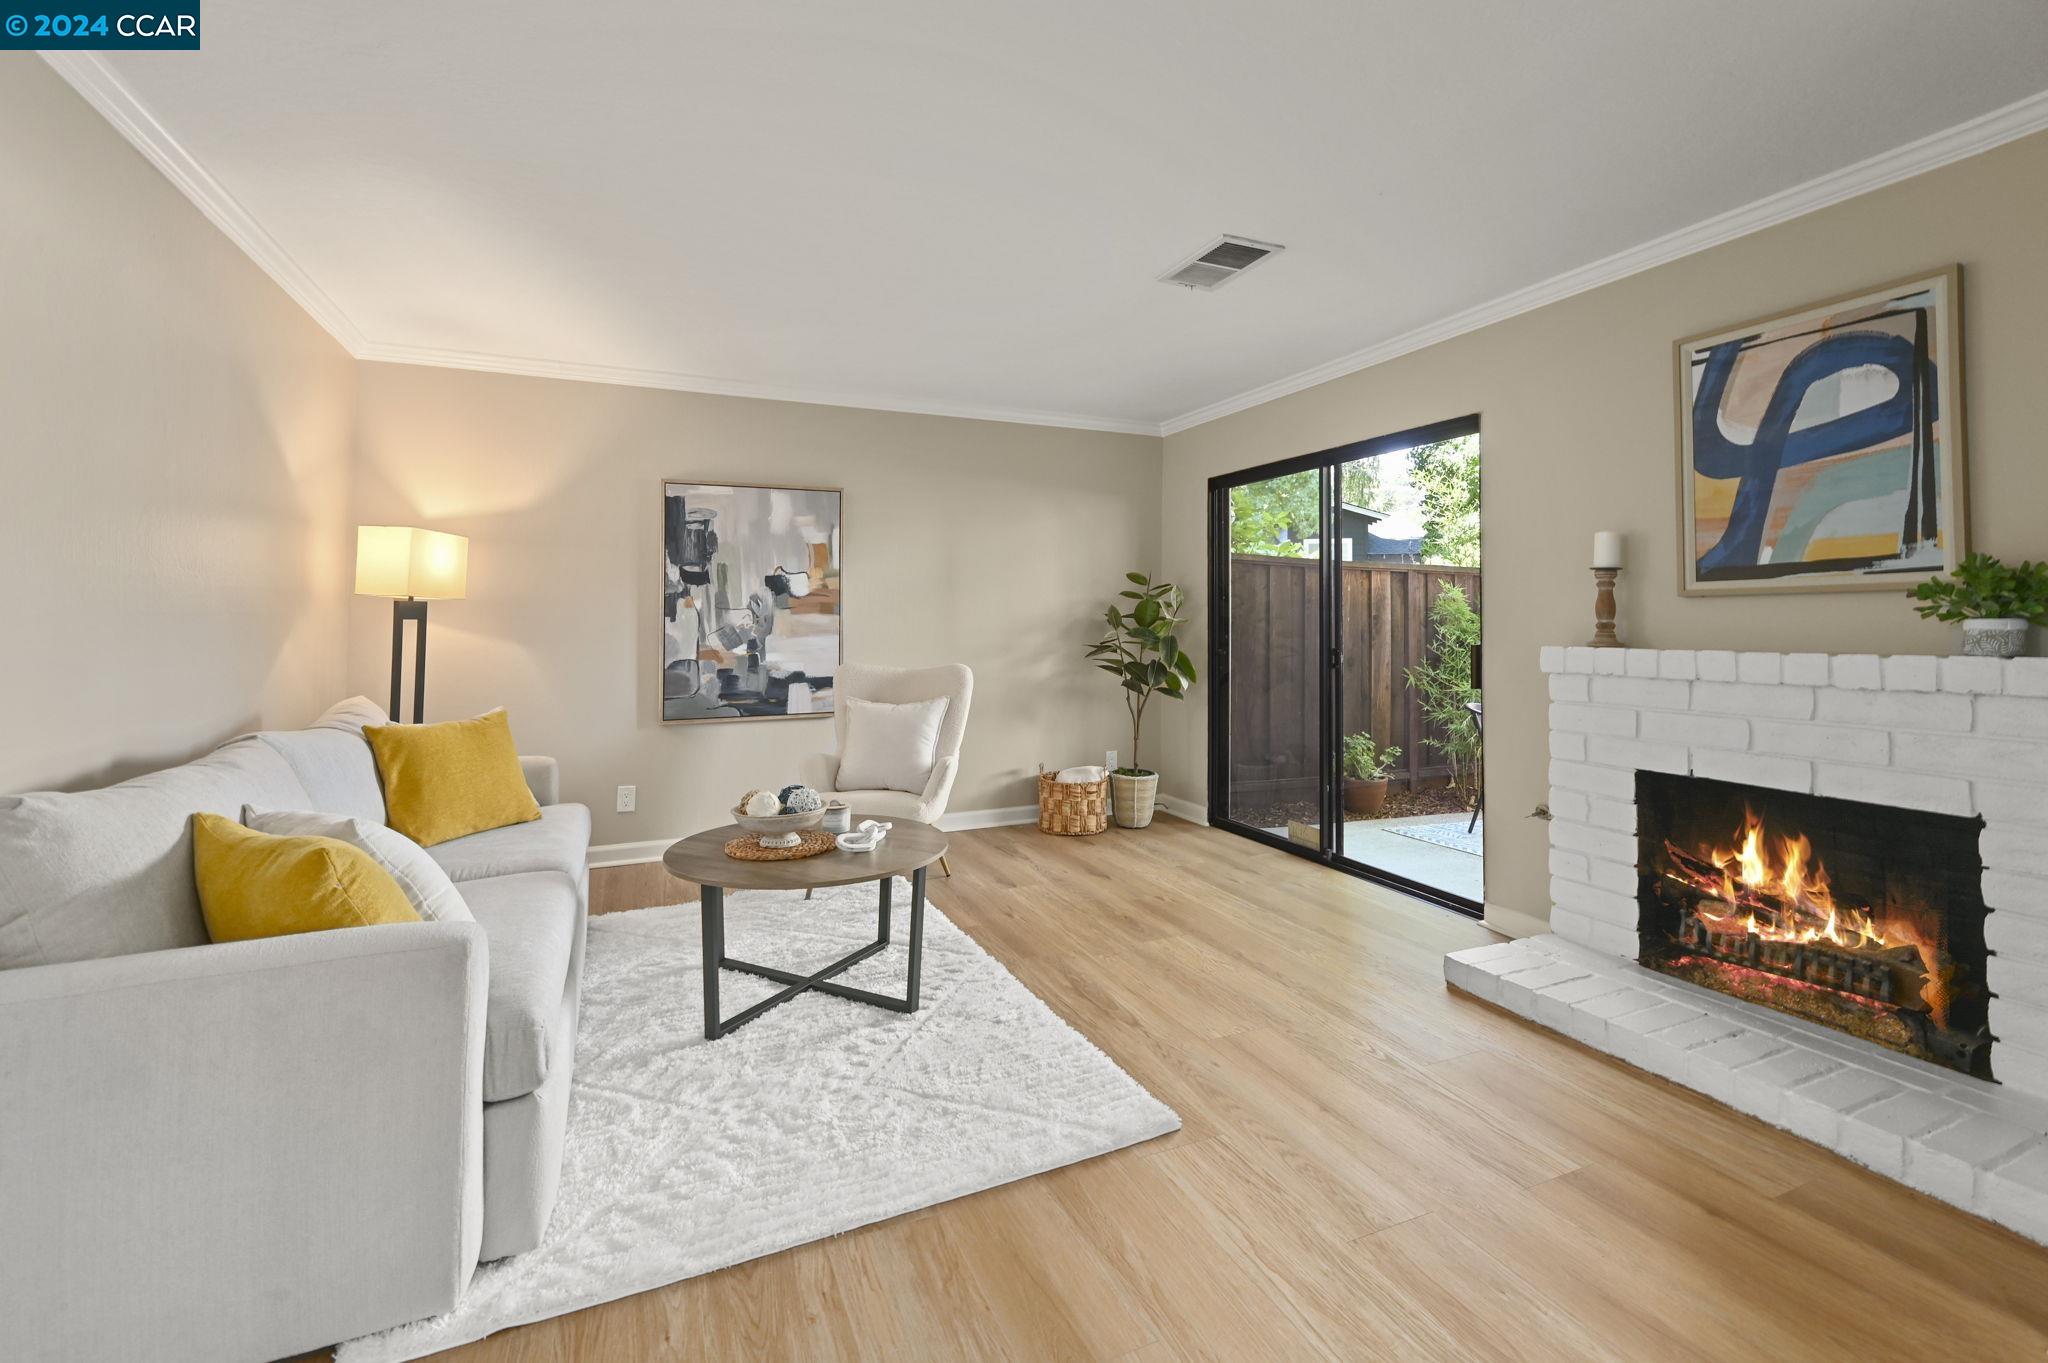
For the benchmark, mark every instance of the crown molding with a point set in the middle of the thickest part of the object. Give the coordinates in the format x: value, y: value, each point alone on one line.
x: 438, y: 358
x: 96, y: 82
x: 2016, y: 120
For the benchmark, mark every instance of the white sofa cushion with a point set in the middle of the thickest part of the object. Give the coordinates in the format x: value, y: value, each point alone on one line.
x: 427, y: 887
x: 890, y: 747
x: 530, y: 922
x: 333, y: 761
x: 559, y: 840
x: 108, y: 872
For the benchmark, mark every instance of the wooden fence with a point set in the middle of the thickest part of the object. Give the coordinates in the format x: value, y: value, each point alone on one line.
x: 1384, y: 630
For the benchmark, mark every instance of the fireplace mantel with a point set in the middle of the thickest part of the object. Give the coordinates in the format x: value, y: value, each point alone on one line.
x: 1963, y: 736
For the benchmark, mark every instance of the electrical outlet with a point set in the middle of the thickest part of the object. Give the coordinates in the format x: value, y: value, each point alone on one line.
x: 1109, y: 760
x: 629, y: 799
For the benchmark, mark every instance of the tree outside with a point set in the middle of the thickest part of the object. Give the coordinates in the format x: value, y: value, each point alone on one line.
x: 1433, y: 488
x: 1278, y: 517
x: 1445, y: 476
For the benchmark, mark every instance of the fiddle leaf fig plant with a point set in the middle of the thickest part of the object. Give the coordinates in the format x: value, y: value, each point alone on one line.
x: 1985, y: 589
x: 1141, y: 648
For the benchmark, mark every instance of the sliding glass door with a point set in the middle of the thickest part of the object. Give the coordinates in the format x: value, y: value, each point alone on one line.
x: 1272, y: 766
x: 1345, y: 715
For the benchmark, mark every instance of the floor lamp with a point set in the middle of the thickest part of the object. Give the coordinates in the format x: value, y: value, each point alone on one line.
x: 412, y: 567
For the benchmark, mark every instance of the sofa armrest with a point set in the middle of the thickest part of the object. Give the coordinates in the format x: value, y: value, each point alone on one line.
x: 244, y: 1150
x: 543, y: 778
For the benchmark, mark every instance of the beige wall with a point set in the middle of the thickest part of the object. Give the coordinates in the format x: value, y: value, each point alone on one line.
x: 174, y: 442
x: 965, y: 541
x: 1576, y: 401
x: 177, y: 444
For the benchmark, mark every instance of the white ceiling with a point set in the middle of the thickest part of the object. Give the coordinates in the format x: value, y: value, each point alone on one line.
x: 962, y: 207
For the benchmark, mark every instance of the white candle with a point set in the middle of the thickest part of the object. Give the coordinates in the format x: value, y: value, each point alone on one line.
x: 1606, y: 549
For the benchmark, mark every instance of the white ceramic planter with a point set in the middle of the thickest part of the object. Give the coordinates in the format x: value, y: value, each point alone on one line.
x: 2004, y: 637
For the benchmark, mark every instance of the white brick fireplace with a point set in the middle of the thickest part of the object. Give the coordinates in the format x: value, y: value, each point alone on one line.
x: 1960, y: 736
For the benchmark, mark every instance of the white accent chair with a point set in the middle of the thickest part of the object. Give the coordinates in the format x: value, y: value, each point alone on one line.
x: 951, y: 682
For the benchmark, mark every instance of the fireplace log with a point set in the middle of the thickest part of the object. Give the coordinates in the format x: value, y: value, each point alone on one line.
x: 1886, y: 975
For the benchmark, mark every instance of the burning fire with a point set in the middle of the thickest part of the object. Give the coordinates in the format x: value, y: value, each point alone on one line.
x: 1772, y: 887
x: 1790, y: 890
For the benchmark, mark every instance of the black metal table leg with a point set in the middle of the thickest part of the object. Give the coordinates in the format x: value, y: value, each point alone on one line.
x: 713, y: 913
x: 819, y: 980
x: 916, y: 937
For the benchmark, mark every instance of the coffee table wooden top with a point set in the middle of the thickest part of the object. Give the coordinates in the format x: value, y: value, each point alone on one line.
x: 701, y: 859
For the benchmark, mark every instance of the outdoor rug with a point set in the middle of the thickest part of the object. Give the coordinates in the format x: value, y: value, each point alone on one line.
x: 1450, y: 832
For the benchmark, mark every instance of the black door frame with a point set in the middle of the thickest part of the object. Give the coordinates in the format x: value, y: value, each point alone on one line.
x: 1329, y: 699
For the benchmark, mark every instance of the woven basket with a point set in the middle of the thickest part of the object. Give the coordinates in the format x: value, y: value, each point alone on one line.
x: 1072, y: 809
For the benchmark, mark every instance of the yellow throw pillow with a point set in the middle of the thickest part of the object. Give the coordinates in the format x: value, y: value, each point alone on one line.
x: 257, y: 885
x: 445, y: 781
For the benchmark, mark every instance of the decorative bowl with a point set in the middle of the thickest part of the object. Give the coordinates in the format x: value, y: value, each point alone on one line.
x: 778, y: 830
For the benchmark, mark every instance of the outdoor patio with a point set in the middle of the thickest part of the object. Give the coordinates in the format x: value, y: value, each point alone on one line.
x: 1431, y: 849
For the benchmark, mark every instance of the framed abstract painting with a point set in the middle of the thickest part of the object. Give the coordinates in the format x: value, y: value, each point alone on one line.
x: 1822, y: 449
x: 750, y: 601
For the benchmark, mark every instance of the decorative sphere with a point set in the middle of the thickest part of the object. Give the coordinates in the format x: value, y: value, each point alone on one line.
x: 801, y: 800
x: 760, y: 804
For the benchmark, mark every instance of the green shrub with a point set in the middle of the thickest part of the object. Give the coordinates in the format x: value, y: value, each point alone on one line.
x: 1365, y: 760
x: 1443, y: 684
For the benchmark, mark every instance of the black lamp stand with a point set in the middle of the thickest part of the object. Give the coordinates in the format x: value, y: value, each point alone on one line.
x: 402, y: 611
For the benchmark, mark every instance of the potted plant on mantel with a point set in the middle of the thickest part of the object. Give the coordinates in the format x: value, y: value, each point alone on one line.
x: 1143, y: 650
x: 1366, y: 765
x: 1994, y: 602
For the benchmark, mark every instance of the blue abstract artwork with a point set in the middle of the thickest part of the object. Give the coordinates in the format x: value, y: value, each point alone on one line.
x: 1822, y: 449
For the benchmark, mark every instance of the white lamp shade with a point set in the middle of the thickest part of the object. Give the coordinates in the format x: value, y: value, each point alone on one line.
x: 399, y: 561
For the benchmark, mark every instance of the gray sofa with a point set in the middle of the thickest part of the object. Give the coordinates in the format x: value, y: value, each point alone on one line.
x: 248, y: 1150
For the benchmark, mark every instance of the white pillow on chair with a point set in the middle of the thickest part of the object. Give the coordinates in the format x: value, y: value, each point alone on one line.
x: 890, y: 747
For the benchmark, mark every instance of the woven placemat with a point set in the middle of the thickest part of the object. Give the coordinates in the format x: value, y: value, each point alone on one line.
x: 749, y: 848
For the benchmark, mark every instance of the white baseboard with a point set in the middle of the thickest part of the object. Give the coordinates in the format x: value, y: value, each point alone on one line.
x: 639, y: 853
x: 1188, y: 809
x: 629, y: 853
x: 1514, y: 922
x: 988, y: 818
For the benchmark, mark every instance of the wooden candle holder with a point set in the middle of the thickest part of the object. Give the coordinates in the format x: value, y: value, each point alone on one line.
x: 1603, y: 608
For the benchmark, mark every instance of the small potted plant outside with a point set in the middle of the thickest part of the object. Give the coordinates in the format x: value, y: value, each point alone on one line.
x: 1142, y: 649
x: 1994, y: 601
x: 1366, y: 765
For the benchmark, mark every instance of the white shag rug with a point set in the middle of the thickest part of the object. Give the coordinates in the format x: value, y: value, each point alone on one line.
x: 819, y: 1117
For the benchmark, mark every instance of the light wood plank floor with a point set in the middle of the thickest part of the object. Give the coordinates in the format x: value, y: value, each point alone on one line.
x: 1372, y: 1167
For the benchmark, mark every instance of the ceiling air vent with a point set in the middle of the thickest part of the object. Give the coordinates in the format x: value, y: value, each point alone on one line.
x: 1223, y: 260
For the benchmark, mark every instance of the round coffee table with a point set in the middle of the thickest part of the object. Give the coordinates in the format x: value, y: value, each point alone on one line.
x: 910, y: 849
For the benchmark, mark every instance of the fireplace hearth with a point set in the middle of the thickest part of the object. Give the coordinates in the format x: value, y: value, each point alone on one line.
x: 1920, y: 788
x: 1863, y: 918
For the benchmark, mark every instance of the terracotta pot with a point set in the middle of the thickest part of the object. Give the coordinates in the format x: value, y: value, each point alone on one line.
x: 1364, y: 798
x: 1133, y: 797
